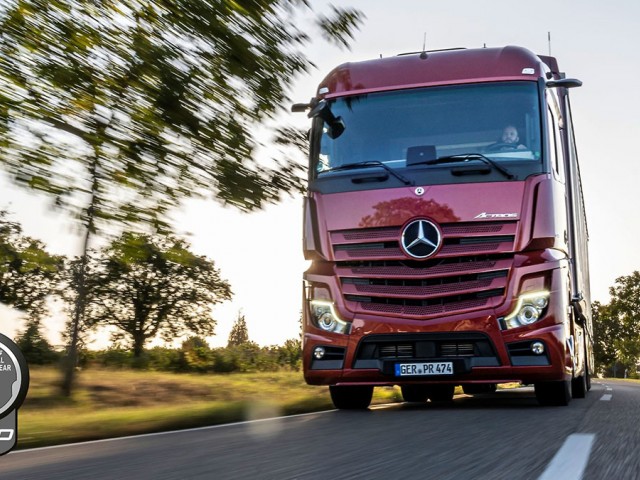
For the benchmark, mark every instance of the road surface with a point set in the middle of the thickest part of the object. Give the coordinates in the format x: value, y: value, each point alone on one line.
x: 501, y: 436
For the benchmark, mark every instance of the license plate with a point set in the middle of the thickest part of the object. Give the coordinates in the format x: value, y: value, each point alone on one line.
x: 421, y: 369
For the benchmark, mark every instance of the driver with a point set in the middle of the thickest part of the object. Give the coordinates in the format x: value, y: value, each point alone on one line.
x: 510, y: 140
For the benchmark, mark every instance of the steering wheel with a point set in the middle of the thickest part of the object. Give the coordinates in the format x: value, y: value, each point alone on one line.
x: 502, y: 146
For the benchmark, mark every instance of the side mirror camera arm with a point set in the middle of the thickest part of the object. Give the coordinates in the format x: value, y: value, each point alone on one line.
x: 564, y: 82
x: 335, y: 124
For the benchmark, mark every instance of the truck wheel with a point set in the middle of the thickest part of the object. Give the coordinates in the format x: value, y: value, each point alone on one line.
x: 351, y: 397
x: 440, y: 393
x: 479, y: 388
x: 414, y: 393
x: 553, y: 393
x: 579, y: 384
x: 586, y: 366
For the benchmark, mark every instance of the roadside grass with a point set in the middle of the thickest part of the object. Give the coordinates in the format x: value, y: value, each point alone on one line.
x: 114, y: 403
x: 629, y: 380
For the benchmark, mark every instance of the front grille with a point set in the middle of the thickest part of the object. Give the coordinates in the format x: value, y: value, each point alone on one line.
x: 470, y: 271
x: 425, y: 346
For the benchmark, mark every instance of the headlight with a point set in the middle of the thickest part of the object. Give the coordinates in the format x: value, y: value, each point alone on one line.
x: 325, y: 317
x: 529, y: 309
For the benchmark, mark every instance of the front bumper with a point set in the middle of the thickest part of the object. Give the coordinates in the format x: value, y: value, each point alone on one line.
x: 480, y: 351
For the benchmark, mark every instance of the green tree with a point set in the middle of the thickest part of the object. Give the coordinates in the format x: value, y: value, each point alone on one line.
x: 239, y: 334
x: 28, y: 273
x: 119, y: 109
x: 290, y: 354
x: 149, y: 286
x: 624, y: 308
x: 195, y: 354
x: 606, y: 332
x: 34, y: 346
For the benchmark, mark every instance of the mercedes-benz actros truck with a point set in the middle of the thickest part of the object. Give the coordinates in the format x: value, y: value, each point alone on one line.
x: 446, y: 229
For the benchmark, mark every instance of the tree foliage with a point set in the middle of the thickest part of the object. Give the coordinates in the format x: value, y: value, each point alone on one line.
x: 149, y: 286
x: 28, y: 273
x: 624, y: 309
x: 120, y: 108
x: 607, y: 331
x: 239, y: 334
x: 617, y: 328
x: 35, y: 347
x: 154, y: 100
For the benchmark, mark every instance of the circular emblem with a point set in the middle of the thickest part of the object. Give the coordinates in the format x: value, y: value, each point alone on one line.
x: 420, y: 239
x: 14, y: 376
x: 419, y: 191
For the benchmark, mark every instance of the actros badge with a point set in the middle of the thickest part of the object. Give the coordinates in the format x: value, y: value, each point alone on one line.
x: 14, y: 383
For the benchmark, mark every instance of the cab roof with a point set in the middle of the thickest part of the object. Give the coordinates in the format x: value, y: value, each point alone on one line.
x: 443, y: 67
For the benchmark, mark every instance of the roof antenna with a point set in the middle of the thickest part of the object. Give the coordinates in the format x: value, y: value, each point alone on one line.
x: 549, y: 41
x: 423, y: 55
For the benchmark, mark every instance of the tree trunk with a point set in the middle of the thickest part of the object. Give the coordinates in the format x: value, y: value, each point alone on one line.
x: 138, y: 344
x: 71, y: 362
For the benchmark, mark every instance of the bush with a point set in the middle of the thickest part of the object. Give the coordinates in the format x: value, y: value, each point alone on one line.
x: 195, y: 355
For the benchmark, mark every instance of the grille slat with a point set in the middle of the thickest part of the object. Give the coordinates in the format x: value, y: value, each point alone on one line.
x: 426, y: 269
x: 448, y: 230
x: 456, y: 350
x: 421, y: 310
x: 391, y: 250
x: 424, y: 292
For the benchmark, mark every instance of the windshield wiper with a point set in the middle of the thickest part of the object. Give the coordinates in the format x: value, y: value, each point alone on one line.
x: 463, y: 157
x: 372, y: 163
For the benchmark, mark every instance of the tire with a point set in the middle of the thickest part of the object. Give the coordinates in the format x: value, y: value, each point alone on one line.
x: 579, y: 386
x: 414, y: 393
x: 351, y: 398
x: 554, y: 393
x: 479, y: 388
x: 440, y: 393
x: 586, y: 366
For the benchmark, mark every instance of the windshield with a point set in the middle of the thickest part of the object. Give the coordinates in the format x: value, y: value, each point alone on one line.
x: 408, y: 129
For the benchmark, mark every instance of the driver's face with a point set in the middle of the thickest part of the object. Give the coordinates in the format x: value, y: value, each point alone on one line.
x: 510, y: 135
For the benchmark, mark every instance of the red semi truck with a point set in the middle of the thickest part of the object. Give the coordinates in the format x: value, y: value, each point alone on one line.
x: 445, y: 225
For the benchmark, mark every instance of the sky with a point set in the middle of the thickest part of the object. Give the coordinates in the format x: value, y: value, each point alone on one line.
x: 260, y: 254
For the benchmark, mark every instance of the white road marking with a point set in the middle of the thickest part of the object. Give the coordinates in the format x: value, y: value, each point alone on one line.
x: 609, y: 389
x: 606, y: 397
x: 571, y: 460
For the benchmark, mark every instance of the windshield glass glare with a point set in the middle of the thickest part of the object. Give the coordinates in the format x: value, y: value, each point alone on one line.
x: 407, y: 128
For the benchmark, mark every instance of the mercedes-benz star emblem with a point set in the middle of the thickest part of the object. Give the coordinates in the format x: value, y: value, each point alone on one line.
x: 420, y: 239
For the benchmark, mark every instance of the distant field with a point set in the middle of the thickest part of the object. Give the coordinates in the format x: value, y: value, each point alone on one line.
x: 112, y: 403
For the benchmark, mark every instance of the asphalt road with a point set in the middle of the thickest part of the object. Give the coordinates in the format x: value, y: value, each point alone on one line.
x: 501, y: 436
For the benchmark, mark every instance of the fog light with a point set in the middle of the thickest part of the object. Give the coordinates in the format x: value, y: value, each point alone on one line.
x: 318, y: 353
x: 537, y: 348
